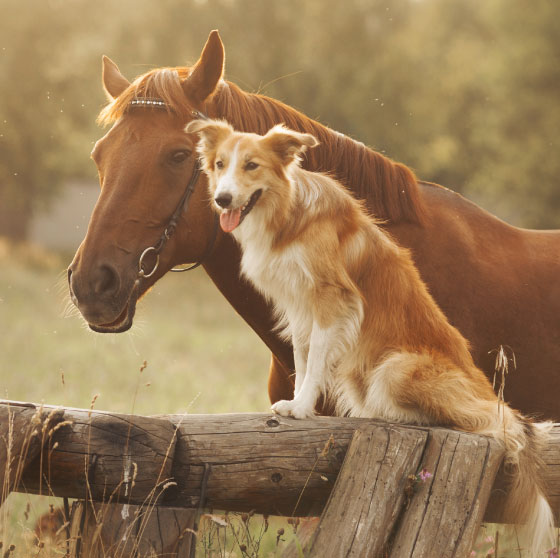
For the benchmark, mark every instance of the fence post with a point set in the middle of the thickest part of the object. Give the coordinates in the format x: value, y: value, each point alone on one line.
x: 129, y: 531
x: 369, y: 492
x: 400, y: 495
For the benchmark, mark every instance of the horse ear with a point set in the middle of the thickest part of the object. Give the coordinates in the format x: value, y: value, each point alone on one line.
x: 212, y: 132
x: 114, y: 82
x: 287, y: 144
x: 208, y: 71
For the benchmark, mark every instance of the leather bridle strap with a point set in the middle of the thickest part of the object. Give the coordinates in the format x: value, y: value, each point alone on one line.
x: 171, y: 227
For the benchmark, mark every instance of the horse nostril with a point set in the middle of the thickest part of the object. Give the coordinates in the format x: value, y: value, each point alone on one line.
x: 105, y: 281
x: 223, y: 200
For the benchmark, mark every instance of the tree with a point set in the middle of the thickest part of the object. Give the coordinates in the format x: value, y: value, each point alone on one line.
x: 463, y: 92
x: 45, y: 110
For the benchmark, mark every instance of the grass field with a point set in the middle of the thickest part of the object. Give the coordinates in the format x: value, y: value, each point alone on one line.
x: 201, y: 358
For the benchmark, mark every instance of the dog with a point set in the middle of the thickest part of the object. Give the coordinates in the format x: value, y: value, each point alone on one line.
x: 366, y: 332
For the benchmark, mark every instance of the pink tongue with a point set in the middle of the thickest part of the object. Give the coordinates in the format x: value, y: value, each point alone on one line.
x: 229, y: 219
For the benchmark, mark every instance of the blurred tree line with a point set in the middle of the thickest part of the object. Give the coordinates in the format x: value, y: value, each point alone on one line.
x: 464, y: 91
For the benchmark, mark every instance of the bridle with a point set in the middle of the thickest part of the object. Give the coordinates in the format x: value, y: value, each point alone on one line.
x: 183, y: 204
x: 167, y: 233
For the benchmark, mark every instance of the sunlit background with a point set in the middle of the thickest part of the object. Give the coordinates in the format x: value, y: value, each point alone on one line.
x: 464, y: 91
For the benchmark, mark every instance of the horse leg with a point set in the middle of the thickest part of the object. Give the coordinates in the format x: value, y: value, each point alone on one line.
x: 280, y: 381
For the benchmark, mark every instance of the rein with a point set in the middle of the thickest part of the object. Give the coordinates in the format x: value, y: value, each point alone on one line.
x: 183, y: 204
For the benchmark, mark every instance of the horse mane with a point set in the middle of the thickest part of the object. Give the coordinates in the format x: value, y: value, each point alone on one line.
x: 390, y: 189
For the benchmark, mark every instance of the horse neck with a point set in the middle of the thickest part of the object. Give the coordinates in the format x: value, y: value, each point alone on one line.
x: 390, y: 189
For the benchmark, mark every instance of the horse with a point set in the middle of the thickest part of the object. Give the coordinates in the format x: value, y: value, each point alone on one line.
x: 496, y: 283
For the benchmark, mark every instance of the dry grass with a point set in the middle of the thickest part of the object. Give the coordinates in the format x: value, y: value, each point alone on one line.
x: 189, y: 352
x: 201, y: 356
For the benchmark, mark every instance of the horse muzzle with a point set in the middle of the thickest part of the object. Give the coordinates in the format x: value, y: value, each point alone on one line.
x: 106, y: 306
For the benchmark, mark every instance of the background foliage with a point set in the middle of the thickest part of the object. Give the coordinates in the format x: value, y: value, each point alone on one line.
x: 463, y: 91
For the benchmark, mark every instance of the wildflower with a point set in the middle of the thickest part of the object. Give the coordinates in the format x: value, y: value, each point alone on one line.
x: 424, y: 475
x: 553, y: 553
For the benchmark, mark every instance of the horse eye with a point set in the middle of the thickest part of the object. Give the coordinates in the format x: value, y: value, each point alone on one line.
x: 219, y: 164
x: 251, y: 166
x: 180, y: 156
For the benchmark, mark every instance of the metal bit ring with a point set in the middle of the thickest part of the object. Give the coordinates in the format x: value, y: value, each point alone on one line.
x: 141, y: 272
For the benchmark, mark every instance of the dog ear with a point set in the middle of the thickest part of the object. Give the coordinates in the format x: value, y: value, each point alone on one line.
x: 288, y: 144
x: 211, y: 132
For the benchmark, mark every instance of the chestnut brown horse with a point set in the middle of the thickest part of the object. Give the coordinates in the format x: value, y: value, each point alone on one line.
x: 497, y: 283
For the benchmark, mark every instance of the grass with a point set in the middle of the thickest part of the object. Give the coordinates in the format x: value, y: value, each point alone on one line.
x: 200, y: 358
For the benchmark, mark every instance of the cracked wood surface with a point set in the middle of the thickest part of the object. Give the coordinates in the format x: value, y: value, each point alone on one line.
x: 104, y: 456
x: 381, y: 506
x: 370, y: 492
x: 24, y: 430
x: 444, y: 514
x: 259, y: 462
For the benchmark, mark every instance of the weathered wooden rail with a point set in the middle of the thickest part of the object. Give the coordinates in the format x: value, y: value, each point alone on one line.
x: 359, y: 473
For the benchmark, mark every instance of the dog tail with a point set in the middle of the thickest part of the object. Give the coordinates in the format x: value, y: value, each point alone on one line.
x: 524, y: 442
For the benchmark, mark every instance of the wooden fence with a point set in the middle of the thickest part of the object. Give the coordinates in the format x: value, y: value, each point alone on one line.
x: 380, y: 489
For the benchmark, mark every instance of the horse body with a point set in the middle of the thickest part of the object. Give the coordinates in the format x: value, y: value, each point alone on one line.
x: 506, y: 296
x: 496, y: 283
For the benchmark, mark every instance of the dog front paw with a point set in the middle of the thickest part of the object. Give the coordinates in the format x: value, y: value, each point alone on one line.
x: 292, y: 409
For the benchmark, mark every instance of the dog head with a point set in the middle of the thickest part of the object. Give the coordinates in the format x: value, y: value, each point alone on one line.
x: 246, y: 169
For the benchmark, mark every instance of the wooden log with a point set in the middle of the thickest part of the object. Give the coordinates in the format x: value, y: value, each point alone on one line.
x: 130, y: 531
x: 259, y: 462
x: 24, y: 430
x: 407, y: 495
x: 107, y: 457
x: 369, y: 493
x: 277, y: 465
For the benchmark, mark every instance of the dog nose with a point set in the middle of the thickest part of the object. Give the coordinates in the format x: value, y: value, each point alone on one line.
x: 223, y: 200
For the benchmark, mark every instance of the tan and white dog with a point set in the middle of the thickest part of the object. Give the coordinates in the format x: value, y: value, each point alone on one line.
x: 366, y: 333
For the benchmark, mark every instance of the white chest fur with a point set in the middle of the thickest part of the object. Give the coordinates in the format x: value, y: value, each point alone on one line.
x: 282, y: 276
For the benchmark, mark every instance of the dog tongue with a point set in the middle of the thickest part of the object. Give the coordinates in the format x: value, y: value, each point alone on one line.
x: 229, y: 219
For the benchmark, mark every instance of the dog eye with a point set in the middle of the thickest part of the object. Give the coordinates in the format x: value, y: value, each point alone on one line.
x: 251, y: 166
x: 219, y: 164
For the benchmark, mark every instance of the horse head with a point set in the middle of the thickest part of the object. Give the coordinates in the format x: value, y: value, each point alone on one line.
x: 145, y: 163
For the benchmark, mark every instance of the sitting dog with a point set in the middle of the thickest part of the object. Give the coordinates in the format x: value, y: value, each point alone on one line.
x: 366, y: 332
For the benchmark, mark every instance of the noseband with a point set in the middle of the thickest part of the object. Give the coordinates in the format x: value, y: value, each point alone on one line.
x: 183, y: 204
